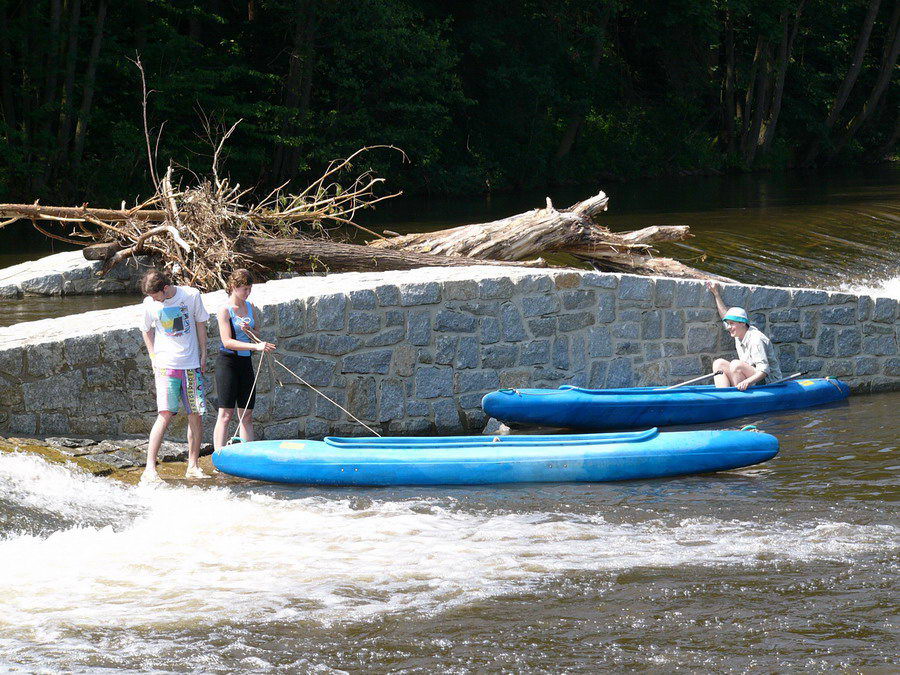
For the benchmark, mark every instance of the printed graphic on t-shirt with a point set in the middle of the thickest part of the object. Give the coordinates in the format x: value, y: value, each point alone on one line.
x: 174, y: 320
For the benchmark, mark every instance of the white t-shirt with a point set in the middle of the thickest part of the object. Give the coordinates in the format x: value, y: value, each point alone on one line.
x: 174, y: 320
x: 757, y: 350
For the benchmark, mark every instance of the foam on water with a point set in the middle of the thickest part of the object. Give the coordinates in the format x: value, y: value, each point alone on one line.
x: 888, y: 287
x: 193, y: 556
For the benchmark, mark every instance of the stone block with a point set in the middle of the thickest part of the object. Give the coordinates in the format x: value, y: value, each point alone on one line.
x: 362, y: 400
x: 391, y: 401
x: 685, y: 366
x: 673, y: 324
x: 420, y: 293
x: 789, y: 315
x: 291, y: 401
x: 539, y: 305
x: 11, y: 361
x: 416, y: 408
x: 665, y: 293
x: 388, y: 295
x: 885, y: 310
x: 536, y: 353
x: 620, y: 373
x: 363, y: 323
x: 499, y: 356
x: 810, y: 365
x: 841, y: 315
x: 446, y: 416
x: 512, y: 379
x: 561, y: 352
x: 459, y: 289
x: 892, y: 367
x: 880, y: 345
x: 48, y: 284
x: 690, y: 294
x: 467, y: 353
x: 363, y: 299
x: 445, y: 350
x: 787, y: 358
x: 673, y: 349
x: 579, y: 299
x: 701, y: 315
x: 651, y: 325
x: 122, y: 345
x: 864, y: 308
x: 410, y: 427
x: 606, y: 308
x: 786, y: 333
x: 489, y: 330
x: 404, y: 360
x: 866, y: 365
x: 55, y: 392
x: 563, y: 280
x: 316, y: 429
x: 495, y: 289
x: 338, y: 345
x: 291, y: 318
x: 330, y: 311
x: 394, y: 317
x: 848, y: 342
x: 825, y: 345
x: 701, y: 340
x: 569, y: 322
x: 306, y: 344
x: 540, y: 283
x: 288, y: 429
x: 805, y: 298
x: 601, y: 279
x: 481, y: 381
x: 600, y: 342
x: 477, y: 307
x: 766, y: 298
x: 597, y: 377
x: 391, y: 336
x: 544, y: 327
x: 734, y: 295
x: 318, y: 372
x: 840, y: 298
x: 327, y: 410
x: 376, y: 361
x: 511, y: 322
x: 628, y: 330
x: 579, y: 353
x: 454, y: 322
x: 103, y: 375
x: 652, y: 351
x: 809, y: 324
x: 44, y: 358
x: 628, y: 347
x: 419, y: 328
x: 81, y: 350
x: 635, y: 288
x: 432, y: 382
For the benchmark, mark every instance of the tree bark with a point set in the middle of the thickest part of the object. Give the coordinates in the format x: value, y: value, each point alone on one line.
x: 784, y: 57
x: 764, y: 78
x: 730, y: 112
x: 889, y: 60
x: 87, y: 96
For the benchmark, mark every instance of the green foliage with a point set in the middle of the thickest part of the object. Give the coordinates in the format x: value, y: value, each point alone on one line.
x: 481, y: 95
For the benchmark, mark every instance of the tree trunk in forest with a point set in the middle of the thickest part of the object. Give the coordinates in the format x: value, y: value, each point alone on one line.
x: 764, y: 80
x: 297, y: 88
x: 843, y: 93
x: 888, y: 62
x: 87, y: 96
x: 66, y: 108
x: 746, y: 110
x: 730, y: 111
x: 784, y: 57
x: 576, y: 117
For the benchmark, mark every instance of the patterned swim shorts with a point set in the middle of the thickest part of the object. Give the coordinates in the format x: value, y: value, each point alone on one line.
x: 180, y: 387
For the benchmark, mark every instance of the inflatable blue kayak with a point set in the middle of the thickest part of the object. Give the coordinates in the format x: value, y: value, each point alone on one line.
x: 576, y: 408
x: 468, y: 460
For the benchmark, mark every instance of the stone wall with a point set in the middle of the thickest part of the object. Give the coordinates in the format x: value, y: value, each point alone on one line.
x: 67, y: 273
x: 413, y: 352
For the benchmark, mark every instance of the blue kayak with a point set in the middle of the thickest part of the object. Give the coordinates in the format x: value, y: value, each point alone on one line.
x: 576, y: 408
x: 473, y: 460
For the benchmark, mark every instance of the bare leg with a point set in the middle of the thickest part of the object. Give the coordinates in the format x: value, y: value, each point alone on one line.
x: 740, y: 371
x: 220, y: 433
x: 157, y: 432
x: 194, y: 435
x: 246, y: 424
x: 723, y: 380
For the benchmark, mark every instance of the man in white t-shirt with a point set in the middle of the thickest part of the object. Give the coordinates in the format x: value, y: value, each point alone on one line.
x: 174, y: 330
x: 757, y: 361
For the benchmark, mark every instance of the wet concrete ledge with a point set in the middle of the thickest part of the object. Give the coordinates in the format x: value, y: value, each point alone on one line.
x: 413, y: 352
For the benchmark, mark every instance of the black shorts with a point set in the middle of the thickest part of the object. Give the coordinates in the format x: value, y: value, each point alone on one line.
x: 234, y: 381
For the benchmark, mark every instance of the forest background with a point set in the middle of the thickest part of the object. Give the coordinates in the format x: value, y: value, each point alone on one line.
x: 482, y: 96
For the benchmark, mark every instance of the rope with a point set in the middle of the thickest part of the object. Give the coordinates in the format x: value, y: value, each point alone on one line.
x: 320, y: 393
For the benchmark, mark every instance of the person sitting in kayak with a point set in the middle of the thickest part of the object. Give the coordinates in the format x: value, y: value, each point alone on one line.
x: 756, y: 361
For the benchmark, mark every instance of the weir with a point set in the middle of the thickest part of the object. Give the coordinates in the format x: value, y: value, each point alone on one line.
x: 413, y: 352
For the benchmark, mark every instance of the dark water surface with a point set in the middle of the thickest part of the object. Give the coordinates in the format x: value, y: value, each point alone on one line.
x: 791, y: 565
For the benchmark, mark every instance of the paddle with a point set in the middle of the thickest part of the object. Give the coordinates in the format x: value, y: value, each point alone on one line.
x: 789, y: 377
x: 696, y: 379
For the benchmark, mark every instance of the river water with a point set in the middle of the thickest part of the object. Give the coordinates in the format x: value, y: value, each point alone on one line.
x: 791, y: 565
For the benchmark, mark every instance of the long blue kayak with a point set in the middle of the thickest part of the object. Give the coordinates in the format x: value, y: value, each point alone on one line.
x: 577, y: 408
x: 473, y: 460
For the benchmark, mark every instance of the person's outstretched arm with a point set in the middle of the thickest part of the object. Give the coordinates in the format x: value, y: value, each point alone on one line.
x: 713, y: 286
